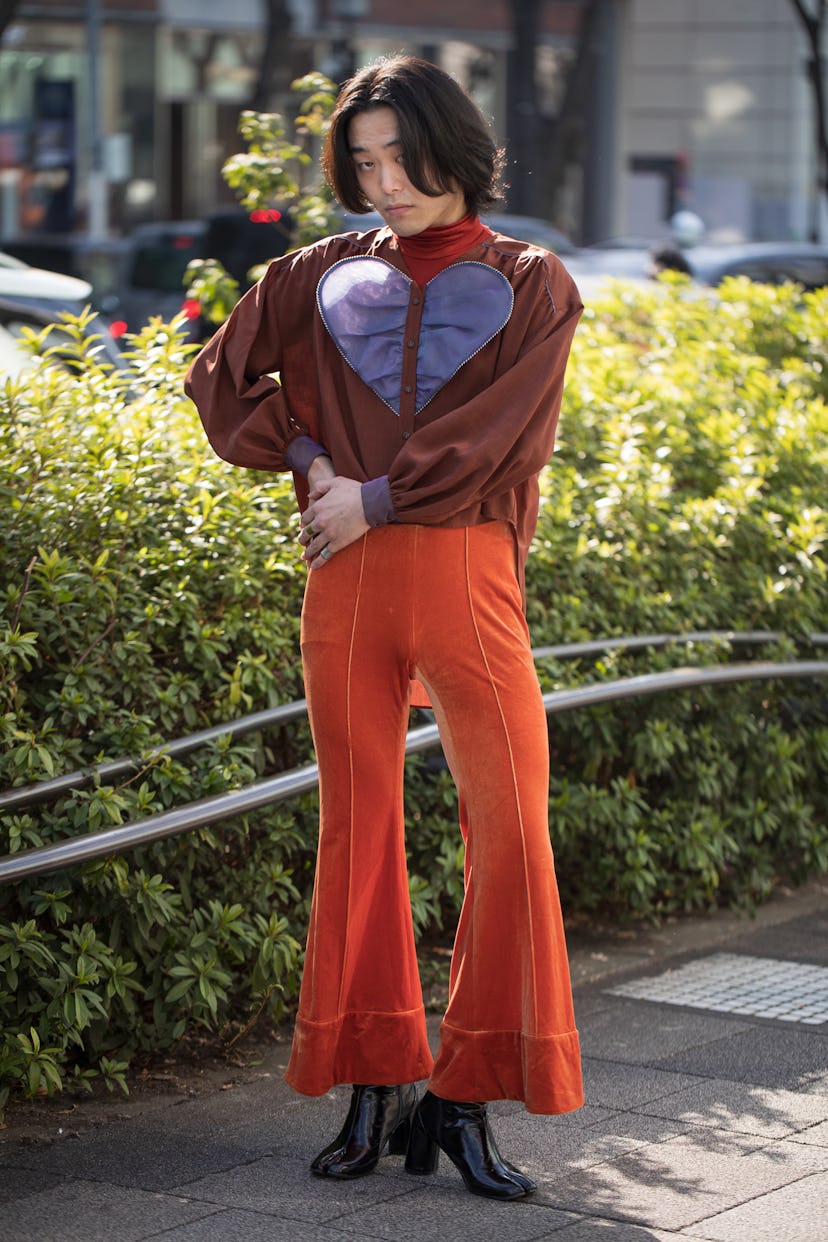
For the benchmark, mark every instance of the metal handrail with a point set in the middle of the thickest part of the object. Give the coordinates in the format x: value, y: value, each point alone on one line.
x: 113, y: 769
x: 639, y: 642
x: 276, y: 789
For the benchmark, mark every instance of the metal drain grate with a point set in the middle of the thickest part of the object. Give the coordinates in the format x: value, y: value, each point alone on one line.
x: 727, y: 983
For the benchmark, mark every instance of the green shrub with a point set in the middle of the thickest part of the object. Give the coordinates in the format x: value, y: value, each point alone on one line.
x: 278, y: 167
x: 688, y: 493
x: 149, y: 590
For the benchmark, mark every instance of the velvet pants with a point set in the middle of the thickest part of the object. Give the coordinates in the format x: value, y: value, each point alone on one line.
x: 442, y: 606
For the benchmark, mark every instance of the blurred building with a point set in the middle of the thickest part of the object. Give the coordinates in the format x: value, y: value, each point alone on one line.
x: 114, y: 112
x: 716, y: 114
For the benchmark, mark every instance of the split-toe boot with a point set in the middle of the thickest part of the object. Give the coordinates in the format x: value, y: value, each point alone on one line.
x: 462, y: 1131
x: 379, y: 1118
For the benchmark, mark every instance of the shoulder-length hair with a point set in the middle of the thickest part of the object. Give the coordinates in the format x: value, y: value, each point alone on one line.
x: 445, y: 139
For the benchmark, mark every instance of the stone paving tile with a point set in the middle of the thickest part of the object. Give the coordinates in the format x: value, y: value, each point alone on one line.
x: 797, y: 1214
x: 546, y: 1150
x: 607, y: 1086
x: 816, y: 1136
x: 263, y: 1117
x: 800, y: 940
x: 640, y: 1033
x: 281, y: 1187
x: 743, y: 1109
x: 591, y: 1001
x: 82, y: 1211
x: 18, y: 1182
x: 291, y: 1134
x: 139, y: 1156
x: 444, y: 1209
x: 817, y: 1085
x: 678, y: 1184
x: 739, y: 983
x: 235, y: 1226
x: 767, y: 1055
x: 593, y: 1230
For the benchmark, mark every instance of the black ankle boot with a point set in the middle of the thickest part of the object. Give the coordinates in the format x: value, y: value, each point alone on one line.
x: 462, y: 1132
x: 378, y: 1117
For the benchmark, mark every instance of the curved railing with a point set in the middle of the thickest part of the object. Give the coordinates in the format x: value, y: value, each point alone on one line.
x: 425, y: 737
x: 114, y: 769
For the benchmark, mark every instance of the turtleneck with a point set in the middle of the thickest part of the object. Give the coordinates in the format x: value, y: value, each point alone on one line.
x: 427, y: 253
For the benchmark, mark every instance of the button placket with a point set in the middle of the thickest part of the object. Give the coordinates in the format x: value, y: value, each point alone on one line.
x: 408, y: 378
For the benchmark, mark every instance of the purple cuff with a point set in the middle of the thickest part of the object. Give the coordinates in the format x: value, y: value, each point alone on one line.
x: 376, y: 502
x: 301, y: 453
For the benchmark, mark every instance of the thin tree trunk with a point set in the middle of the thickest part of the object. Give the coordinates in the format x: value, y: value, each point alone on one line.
x: 273, y: 77
x: 564, y: 145
x: 523, y: 147
x: 814, y: 24
x: 8, y: 8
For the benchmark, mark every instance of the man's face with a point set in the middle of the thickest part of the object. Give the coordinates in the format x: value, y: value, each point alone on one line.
x: 373, y: 138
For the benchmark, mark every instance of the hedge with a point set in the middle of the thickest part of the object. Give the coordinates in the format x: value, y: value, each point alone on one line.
x: 149, y: 590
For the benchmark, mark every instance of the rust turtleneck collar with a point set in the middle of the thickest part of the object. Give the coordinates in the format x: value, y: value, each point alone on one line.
x: 427, y: 253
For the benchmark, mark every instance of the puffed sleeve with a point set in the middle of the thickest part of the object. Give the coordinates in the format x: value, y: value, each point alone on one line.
x: 506, y: 433
x: 234, y: 383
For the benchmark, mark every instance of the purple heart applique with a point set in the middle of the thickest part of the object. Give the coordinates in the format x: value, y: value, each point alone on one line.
x: 364, y: 303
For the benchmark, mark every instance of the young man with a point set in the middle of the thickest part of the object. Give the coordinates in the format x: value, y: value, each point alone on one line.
x: 420, y: 372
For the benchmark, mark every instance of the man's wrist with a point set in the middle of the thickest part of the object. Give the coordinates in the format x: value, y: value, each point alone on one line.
x: 302, y: 452
x: 376, y: 502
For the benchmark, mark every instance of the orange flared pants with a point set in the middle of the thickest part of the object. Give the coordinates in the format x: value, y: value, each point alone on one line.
x: 442, y: 606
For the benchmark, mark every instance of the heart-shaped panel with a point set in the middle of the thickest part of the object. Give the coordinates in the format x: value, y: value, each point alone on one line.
x: 364, y: 305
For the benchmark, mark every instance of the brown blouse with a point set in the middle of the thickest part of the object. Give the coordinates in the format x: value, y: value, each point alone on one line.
x: 403, y: 388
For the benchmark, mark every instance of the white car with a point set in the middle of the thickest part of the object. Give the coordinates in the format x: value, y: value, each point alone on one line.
x: 33, y: 298
x: 771, y: 263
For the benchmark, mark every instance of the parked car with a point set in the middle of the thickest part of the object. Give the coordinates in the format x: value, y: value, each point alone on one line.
x: 35, y: 289
x: 154, y: 280
x: 33, y: 298
x: 772, y: 263
x: 529, y: 229
x: 767, y: 262
x: 96, y: 263
x: 137, y: 277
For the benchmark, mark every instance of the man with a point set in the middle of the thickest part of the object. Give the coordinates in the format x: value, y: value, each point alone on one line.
x: 420, y: 375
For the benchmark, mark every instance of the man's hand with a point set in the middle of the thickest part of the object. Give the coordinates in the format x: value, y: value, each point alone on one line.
x: 321, y: 468
x: 333, y: 519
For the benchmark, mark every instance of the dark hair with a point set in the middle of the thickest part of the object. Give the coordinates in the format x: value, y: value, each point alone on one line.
x: 669, y: 258
x: 445, y: 138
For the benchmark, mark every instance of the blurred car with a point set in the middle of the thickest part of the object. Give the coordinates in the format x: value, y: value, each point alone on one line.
x: 94, y: 262
x: 33, y: 298
x: 772, y: 263
x: 140, y: 276
x: 38, y: 290
x: 154, y: 280
x: 530, y: 229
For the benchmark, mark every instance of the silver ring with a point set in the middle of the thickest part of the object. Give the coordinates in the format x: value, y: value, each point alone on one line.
x: 326, y: 553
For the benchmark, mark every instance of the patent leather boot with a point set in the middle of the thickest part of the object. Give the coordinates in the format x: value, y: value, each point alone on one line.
x: 462, y: 1131
x: 378, y: 1117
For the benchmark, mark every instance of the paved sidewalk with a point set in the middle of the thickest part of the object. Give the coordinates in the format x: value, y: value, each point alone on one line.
x: 702, y: 1124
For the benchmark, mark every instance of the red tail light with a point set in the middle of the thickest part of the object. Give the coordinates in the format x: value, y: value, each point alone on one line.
x: 118, y: 328
x: 265, y: 215
x: 191, y: 308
